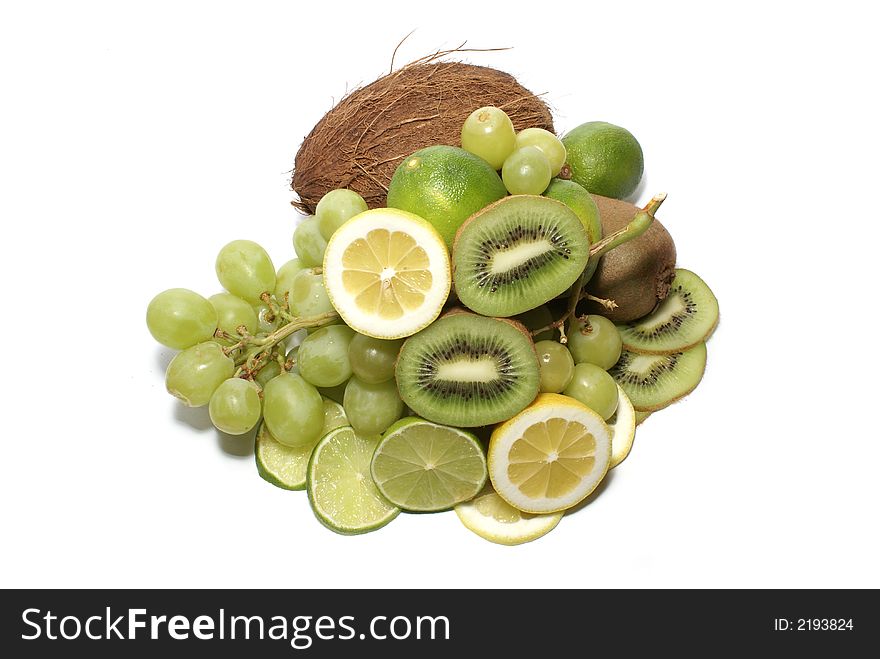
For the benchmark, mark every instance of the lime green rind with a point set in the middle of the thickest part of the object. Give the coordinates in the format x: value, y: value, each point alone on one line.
x: 268, y: 454
x: 399, y: 459
x: 358, y: 452
x: 285, y: 466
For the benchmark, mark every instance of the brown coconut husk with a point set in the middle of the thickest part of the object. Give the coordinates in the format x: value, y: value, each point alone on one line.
x: 361, y: 141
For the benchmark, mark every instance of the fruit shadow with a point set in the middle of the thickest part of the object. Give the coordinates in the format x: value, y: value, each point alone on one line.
x: 639, y: 191
x: 597, y: 492
x: 163, y: 358
x: 197, y: 418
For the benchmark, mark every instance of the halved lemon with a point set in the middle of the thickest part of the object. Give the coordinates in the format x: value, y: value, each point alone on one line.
x: 622, y: 425
x: 492, y: 518
x: 550, y: 456
x: 387, y: 273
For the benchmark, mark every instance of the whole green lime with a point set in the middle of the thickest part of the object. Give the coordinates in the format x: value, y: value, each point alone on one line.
x: 575, y: 196
x: 605, y: 159
x: 444, y: 185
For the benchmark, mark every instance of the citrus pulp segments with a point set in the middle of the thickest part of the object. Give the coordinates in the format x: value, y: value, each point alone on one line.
x: 622, y: 426
x: 387, y: 273
x: 687, y: 316
x: 341, y: 490
x: 426, y: 467
x: 286, y: 466
x: 495, y: 520
x: 550, y: 456
x: 283, y: 466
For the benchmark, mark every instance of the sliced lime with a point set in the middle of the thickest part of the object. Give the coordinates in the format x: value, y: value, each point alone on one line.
x: 341, y: 490
x: 285, y: 466
x: 425, y: 467
x: 492, y: 518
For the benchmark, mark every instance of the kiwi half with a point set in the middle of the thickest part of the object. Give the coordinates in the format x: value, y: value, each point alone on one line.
x: 654, y: 381
x: 517, y: 254
x: 687, y: 316
x: 466, y: 370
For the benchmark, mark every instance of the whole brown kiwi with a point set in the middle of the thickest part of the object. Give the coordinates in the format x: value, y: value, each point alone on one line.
x: 637, y: 274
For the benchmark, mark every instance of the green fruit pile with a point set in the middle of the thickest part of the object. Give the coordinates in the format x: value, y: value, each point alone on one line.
x: 398, y: 408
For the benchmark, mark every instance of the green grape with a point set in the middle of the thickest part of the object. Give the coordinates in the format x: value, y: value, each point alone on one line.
x: 293, y: 410
x: 284, y: 277
x: 371, y: 408
x: 309, y: 243
x: 269, y: 371
x: 526, y: 171
x: 308, y: 297
x: 595, y: 341
x: 267, y: 320
x: 194, y: 374
x: 235, y: 406
x: 334, y: 416
x: 550, y: 145
x: 592, y: 386
x: 233, y: 312
x: 245, y: 269
x: 557, y: 366
x: 323, y: 356
x: 372, y: 360
x: 488, y: 133
x: 336, y: 207
x: 179, y: 318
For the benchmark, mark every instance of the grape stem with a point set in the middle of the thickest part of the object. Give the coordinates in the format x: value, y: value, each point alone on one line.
x: 611, y: 305
x: 262, y: 347
x: 636, y: 227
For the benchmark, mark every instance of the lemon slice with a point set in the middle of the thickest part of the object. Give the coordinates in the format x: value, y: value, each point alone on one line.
x: 622, y: 425
x: 387, y: 273
x: 492, y: 518
x: 550, y: 456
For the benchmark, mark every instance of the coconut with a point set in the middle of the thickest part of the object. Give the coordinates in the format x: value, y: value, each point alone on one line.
x: 361, y: 141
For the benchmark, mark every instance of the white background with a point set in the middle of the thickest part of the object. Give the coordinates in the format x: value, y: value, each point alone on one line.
x: 138, y: 138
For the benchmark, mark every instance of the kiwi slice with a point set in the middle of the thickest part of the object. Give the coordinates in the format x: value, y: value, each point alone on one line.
x: 654, y: 381
x: 465, y: 370
x: 517, y: 254
x: 687, y: 316
x: 641, y: 416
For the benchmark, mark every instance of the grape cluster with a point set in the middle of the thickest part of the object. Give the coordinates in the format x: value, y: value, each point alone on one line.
x: 579, y: 368
x: 528, y: 160
x: 243, y: 354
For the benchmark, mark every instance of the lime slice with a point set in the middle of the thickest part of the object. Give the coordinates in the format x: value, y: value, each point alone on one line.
x: 341, y: 490
x: 285, y: 466
x: 622, y: 426
x: 425, y: 467
x: 492, y: 518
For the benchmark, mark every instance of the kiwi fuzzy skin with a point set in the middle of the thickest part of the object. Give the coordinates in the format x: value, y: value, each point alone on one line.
x: 636, y: 275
